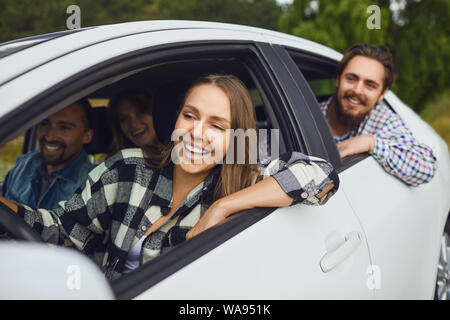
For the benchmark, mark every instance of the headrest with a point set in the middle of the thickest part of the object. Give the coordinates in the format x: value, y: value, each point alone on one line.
x: 102, y: 138
x: 168, y: 100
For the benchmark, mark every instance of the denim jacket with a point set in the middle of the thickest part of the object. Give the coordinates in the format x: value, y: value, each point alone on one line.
x: 24, y: 181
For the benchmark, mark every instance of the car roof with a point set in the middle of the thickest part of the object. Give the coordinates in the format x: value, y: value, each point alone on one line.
x: 19, y: 56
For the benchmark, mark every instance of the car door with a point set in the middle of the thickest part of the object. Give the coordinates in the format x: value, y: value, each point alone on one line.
x: 403, y: 229
x: 293, y: 253
x: 401, y: 237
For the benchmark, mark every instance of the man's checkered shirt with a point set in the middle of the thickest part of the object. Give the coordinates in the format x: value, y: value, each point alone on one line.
x: 124, y: 196
x: 396, y: 149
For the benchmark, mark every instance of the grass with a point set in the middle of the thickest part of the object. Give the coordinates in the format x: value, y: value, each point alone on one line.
x: 437, y: 114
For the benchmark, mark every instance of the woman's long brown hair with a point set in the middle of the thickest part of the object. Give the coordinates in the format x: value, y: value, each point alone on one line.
x: 233, y: 176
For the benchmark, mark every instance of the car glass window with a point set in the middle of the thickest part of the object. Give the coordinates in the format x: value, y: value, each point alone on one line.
x: 98, y: 156
x: 322, y: 88
x: 321, y: 76
x: 9, y: 153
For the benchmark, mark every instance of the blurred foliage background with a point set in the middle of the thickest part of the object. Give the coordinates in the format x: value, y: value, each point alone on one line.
x: 416, y: 31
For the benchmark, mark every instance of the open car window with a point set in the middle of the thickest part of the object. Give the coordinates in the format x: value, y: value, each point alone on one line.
x: 167, y: 75
x: 320, y: 73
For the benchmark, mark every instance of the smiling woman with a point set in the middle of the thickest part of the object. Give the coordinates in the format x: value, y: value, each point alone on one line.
x: 208, y: 129
x: 129, y: 212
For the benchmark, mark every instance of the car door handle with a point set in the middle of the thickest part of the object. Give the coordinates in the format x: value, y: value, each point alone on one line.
x: 331, y: 259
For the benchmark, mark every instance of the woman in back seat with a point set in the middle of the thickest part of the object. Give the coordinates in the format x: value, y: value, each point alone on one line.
x: 131, y: 118
x: 130, y: 211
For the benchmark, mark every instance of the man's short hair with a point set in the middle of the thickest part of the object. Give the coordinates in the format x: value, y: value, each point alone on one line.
x: 379, y: 53
x: 87, y: 117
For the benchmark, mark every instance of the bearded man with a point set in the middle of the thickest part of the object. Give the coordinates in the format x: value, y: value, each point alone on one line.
x: 361, y: 122
x: 42, y: 178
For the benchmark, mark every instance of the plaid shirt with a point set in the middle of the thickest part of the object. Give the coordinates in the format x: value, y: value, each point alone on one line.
x: 123, y: 197
x: 396, y: 149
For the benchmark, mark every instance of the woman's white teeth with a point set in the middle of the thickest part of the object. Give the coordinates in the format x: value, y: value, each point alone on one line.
x: 195, y: 150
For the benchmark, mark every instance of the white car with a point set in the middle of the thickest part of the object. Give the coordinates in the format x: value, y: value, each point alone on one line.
x: 376, y: 238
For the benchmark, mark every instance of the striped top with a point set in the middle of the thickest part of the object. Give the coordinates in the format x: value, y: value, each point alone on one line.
x: 124, y: 196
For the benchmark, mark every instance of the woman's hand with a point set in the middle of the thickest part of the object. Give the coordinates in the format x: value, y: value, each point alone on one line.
x: 215, y: 214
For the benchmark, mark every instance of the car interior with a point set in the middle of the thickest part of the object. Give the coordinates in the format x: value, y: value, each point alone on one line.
x: 167, y: 83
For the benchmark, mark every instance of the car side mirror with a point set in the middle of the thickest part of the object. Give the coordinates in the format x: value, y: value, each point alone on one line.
x: 41, y: 271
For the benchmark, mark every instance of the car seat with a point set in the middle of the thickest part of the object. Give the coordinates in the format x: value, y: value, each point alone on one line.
x: 101, y: 141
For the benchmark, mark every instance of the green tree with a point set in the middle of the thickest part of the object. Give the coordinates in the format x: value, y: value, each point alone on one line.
x: 258, y: 13
x: 22, y: 18
x: 333, y: 23
x: 422, y: 51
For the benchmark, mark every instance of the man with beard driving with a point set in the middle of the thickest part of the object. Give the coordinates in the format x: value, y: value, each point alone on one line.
x: 42, y: 178
x: 361, y: 122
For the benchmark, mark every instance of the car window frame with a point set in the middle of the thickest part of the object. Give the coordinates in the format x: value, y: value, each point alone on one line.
x: 304, y: 106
